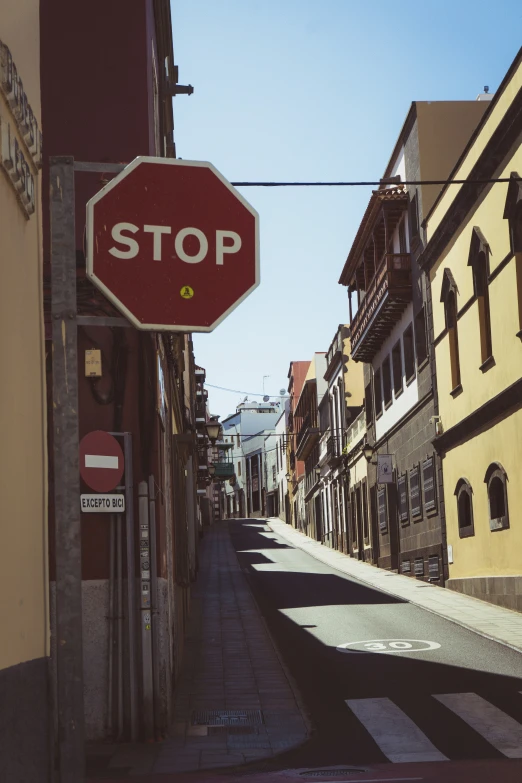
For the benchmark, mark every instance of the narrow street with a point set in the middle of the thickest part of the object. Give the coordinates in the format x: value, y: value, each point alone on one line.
x: 459, y: 701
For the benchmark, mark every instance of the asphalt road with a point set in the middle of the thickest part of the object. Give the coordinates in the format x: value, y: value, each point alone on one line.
x: 459, y: 698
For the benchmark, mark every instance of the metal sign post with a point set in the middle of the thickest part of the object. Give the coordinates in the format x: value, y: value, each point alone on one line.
x: 69, y: 650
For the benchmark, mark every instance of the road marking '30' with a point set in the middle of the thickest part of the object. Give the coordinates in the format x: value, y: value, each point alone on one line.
x: 389, y: 646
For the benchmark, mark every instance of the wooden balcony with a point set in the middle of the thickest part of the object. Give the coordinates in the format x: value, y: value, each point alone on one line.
x: 307, y: 437
x: 384, y: 302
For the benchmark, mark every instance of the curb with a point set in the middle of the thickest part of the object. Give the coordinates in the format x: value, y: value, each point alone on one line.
x: 476, y: 631
x: 291, y: 682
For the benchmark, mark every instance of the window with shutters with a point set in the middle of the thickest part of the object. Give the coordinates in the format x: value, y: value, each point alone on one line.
x: 421, y: 346
x: 397, y: 368
x: 402, y: 494
x: 368, y: 401
x: 377, y: 391
x: 386, y: 382
x: 415, y: 493
x: 429, y: 484
x: 496, y: 480
x: 418, y: 566
x: 353, y: 520
x: 364, y: 499
x: 409, y: 354
x: 513, y: 213
x: 414, y: 217
x: 464, y: 495
x: 382, y: 510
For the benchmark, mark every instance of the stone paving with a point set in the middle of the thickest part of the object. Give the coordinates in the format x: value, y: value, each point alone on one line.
x: 493, y: 622
x: 230, y: 663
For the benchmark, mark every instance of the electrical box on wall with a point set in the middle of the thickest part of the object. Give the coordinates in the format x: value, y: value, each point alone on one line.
x: 93, y: 363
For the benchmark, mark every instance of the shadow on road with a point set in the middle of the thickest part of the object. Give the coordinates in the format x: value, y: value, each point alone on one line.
x: 325, y: 677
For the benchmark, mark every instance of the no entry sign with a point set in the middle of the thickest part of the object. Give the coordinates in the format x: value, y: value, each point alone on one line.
x: 172, y: 244
x: 101, y: 461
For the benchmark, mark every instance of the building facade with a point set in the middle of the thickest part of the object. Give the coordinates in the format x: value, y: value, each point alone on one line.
x: 389, y: 334
x: 340, y: 405
x: 281, y: 429
x: 246, y: 431
x: 307, y: 425
x: 295, y: 467
x: 24, y: 601
x: 146, y: 385
x: 473, y: 260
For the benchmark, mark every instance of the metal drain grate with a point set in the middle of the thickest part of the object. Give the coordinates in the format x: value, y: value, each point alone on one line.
x: 332, y: 773
x: 227, y: 718
x: 231, y: 730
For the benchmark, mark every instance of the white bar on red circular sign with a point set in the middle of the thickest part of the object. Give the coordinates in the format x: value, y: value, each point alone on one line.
x: 100, y: 461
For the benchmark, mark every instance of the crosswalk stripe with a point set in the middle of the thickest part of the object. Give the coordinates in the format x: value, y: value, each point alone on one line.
x: 499, y: 729
x: 394, y: 732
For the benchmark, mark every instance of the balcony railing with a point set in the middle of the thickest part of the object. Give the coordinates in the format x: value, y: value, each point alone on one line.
x: 307, y: 437
x: 224, y: 470
x: 334, y: 449
x: 382, y: 306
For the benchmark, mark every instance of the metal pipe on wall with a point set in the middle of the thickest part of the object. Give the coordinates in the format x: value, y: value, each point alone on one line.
x: 119, y: 568
x: 146, y: 612
x: 112, y: 553
x: 131, y: 585
x: 154, y: 606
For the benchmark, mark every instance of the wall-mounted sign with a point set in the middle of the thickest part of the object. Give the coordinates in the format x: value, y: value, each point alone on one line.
x: 93, y: 363
x: 384, y: 469
x: 95, y: 504
x: 20, y: 136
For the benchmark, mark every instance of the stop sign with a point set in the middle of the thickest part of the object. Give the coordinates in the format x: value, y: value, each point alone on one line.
x: 172, y: 244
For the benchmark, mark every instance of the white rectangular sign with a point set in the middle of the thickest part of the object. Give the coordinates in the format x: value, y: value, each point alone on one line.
x: 384, y: 469
x: 97, y: 503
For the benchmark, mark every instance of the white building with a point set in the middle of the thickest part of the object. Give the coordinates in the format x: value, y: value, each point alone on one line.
x: 247, y: 430
x: 283, y: 508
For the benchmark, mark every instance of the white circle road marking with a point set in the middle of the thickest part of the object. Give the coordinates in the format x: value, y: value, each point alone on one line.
x: 389, y: 646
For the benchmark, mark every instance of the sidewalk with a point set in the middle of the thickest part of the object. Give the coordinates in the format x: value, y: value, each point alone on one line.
x: 230, y: 663
x: 493, y: 622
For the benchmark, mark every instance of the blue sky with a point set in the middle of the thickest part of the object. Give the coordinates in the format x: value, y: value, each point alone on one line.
x: 302, y: 90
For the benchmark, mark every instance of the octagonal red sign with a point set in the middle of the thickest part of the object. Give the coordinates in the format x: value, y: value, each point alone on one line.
x: 172, y: 244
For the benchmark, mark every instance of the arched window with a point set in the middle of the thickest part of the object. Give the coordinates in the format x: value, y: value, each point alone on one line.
x: 449, y: 297
x: 496, y: 480
x: 478, y: 260
x: 513, y: 213
x: 464, y: 495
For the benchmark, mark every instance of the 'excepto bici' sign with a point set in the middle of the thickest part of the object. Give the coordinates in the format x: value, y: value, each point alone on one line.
x: 94, y: 504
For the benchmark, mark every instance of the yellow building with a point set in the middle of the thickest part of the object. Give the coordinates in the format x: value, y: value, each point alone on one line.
x: 474, y: 262
x: 24, y: 616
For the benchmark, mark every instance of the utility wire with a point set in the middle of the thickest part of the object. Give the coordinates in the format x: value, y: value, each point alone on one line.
x: 238, y: 391
x: 378, y: 183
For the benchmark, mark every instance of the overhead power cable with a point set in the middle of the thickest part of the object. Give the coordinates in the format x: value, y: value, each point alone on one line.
x: 378, y: 183
x: 238, y: 391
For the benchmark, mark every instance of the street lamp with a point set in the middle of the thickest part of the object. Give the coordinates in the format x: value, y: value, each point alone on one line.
x: 288, y: 477
x: 213, y: 428
x: 368, y: 451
